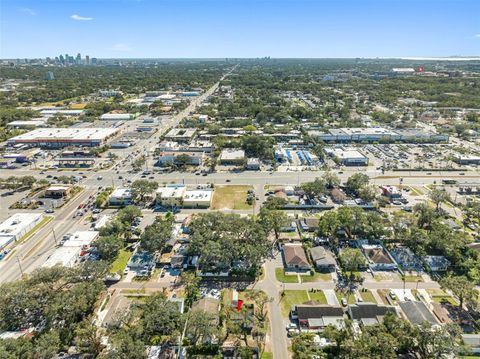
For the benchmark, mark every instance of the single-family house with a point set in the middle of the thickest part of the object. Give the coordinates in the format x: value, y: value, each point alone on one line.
x: 406, y: 259
x: 437, y: 263
x: 309, y: 224
x: 317, y: 317
x: 323, y: 259
x: 295, y: 257
x: 369, y: 313
x: 378, y: 258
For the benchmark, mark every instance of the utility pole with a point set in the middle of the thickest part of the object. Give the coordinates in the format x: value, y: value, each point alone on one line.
x: 19, y: 265
x: 54, y: 236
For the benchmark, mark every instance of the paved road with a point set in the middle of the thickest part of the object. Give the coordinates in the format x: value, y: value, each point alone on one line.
x: 33, y: 253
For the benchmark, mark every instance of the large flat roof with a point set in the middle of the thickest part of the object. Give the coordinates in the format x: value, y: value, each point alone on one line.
x: 67, y: 134
x: 16, y: 223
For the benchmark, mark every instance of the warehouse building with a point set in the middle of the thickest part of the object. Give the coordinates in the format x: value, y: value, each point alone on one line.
x: 15, y: 227
x: 27, y: 124
x: 64, y: 137
x: 467, y: 160
x: 67, y: 113
x: 347, y: 156
x: 181, y: 134
x: 117, y: 117
x: 377, y: 134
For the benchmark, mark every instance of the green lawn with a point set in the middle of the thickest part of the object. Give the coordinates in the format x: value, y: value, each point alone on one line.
x: 413, y: 278
x: 316, y: 277
x: 444, y: 298
x: 121, y: 262
x: 350, y: 297
x: 318, y: 296
x: 292, y: 297
x: 368, y: 297
x: 266, y: 355
x: 282, y: 277
x: 231, y: 197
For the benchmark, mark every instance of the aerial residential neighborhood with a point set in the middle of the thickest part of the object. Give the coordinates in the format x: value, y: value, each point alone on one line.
x: 238, y: 207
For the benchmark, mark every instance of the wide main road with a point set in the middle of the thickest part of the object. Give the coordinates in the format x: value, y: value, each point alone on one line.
x: 32, y: 253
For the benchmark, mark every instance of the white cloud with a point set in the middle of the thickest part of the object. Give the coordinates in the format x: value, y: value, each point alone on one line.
x: 121, y: 47
x: 477, y: 35
x: 81, y: 18
x: 28, y: 11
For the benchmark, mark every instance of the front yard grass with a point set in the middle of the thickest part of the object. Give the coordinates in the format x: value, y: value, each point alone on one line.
x: 413, y: 278
x: 231, y: 197
x: 285, y: 278
x: 318, y: 296
x: 121, y: 261
x: 350, y: 297
x: 316, y: 277
x: 291, y: 297
x: 367, y: 296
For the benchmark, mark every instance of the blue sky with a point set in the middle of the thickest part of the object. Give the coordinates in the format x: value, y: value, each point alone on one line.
x: 239, y: 28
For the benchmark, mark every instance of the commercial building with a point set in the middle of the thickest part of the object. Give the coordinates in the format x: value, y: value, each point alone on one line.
x: 253, y: 164
x: 15, y: 227
x: 169, y: 158
x: 117, y: 116
x: 181, y: 134
x: 170, y: 196
x: 377, y: 134
x: 27, y: 124
x: 230, y: 156
x: 197, y: 198
x: 64, y: 137
x: 120, y: 197
x: 347, y: 156
x: 67, y: 113
x: 57, y: 191
x: 72, y: 249
x: 467, y: 160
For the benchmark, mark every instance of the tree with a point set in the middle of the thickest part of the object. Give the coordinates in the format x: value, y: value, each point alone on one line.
x: 357, y: 181
x: 141, y: 188
x: 161, y: 319
x: 304, y: 347
x: 47, y: 345
x: 274, y: 203
x: 228, y: 242
x: 109, y: 246
x: 438, y: 196
x: 462, y: 287
x: 272, y: 220
x: 331, y: 179
x: 183, y: 160
x: 127, y: 344
x: 138, y: 163
x: 127, y: 214
x: 368, y: 193
x: 439, y: 342
x: 315, y: 188
x: 192, y: 291
x: 202, y: 327
x: 425, y: 215
x: 328, y: 225
x: 87, y: 339
x: 352, y: 259
x: 155, y: 236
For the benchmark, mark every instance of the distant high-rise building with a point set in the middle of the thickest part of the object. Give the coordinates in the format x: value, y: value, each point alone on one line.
x: 94, y: 60
x: 62, y: 59
x: 78, y: 60
x: 87, y: 60
x: 50, y: 76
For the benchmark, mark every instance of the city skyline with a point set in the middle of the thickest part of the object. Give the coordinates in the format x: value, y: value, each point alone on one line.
x: 219, y: 29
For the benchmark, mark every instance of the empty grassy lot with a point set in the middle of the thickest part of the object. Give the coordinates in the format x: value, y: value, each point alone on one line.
x: 368, y: 297
x: 121, y: 262
x: 231, y: 197
x: 292, y: 297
